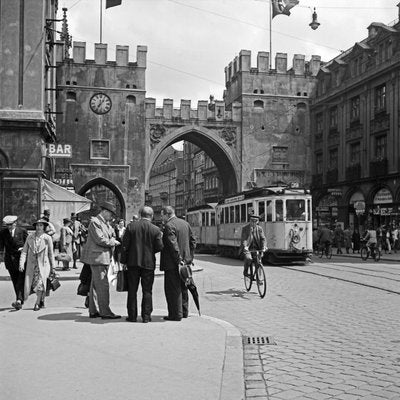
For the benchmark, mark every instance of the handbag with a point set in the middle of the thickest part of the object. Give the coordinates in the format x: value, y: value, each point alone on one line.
x: 83, y: 289
x: 54, y: 283
x: 63, y: 257
x: 122, y: 281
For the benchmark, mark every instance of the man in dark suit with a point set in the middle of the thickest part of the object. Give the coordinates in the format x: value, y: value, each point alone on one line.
x: 141, y: 241
x: 12, y: 239
x: 252, y: 239
x: 179, y: 245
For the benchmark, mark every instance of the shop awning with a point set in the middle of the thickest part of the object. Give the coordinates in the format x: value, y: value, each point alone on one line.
x: 61, y: 203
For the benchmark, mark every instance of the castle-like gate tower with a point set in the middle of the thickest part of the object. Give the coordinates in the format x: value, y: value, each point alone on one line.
x: 258, y: 135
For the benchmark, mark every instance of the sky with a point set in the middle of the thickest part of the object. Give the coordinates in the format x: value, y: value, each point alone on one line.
x: 190, y: 42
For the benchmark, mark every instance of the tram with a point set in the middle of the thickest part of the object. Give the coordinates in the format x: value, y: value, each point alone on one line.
x: 285, y: 216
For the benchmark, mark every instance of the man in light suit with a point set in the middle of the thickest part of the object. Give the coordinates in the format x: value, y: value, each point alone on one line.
x: 252, y: 239
x: 12, y: 240
x: 97, y: 253
x: 179, y: 244
x: 141, y: 241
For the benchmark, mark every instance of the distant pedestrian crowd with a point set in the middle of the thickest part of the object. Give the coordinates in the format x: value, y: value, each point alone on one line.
x: 109, y: 252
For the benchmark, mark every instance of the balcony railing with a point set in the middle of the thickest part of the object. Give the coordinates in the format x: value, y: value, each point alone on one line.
x: 353, y: 172
x: 332, y: 176
x: 378, y: 167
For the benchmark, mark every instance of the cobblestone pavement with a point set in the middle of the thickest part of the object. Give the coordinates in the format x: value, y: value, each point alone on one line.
x: 334, y: 339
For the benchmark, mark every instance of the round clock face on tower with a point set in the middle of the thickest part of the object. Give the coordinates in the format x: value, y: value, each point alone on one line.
x: 100, y: 103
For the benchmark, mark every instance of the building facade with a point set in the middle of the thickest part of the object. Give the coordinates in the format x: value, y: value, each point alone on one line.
x: 355, y: 125
x: 27, y: 104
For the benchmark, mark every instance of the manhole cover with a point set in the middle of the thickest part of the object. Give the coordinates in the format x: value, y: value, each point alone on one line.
x: 259, y: 340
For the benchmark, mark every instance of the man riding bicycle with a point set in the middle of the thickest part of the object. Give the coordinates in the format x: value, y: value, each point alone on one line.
x: 371, y: 238
x: 252, y: 239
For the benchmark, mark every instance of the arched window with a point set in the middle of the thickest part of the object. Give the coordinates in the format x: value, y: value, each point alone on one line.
x: 255, y: 91
x: 131, y: 99
x: 258, y: 104
x: 71, y: 95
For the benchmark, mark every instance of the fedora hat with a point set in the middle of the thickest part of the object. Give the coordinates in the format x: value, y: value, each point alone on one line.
x: 41, y: 221
x: 107, y: 205
x: 65, y: 220
x: 9, y: 219
x: 254, y: 216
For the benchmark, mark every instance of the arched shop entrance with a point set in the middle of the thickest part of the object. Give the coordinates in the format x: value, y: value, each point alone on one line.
x: 383, y: 210
x: 357, y: 214
x: 326, y: 211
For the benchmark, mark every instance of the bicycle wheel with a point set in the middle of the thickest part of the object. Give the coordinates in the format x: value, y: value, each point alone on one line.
x: 364, y: 253
x: 329, y: 252
x: 248, y: 280
x: 377, y: 255
x: 261, y: 281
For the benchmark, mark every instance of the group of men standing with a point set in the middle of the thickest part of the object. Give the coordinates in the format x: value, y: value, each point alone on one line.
x: 141, y: 241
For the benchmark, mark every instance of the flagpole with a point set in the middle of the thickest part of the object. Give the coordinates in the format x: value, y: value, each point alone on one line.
x: 101, y: 21
x: 270, y: 34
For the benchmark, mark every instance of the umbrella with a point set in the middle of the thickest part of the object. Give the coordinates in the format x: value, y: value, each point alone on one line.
x: 185, y: 272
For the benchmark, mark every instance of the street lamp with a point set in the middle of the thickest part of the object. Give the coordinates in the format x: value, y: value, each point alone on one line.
x: 314, y: 23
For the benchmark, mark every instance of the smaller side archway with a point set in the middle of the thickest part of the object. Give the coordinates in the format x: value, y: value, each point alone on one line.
x: 98, y: 190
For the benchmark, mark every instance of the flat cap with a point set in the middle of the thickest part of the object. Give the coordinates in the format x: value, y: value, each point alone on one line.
x: 9, y: 219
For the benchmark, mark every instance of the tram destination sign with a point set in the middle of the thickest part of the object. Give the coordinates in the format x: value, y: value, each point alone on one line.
x: 234, y: 199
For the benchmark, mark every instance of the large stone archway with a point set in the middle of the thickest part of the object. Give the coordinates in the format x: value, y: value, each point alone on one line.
x: 220, y: 146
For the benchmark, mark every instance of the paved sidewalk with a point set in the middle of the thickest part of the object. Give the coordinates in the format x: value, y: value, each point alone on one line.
x: 392, y: 257
x: 60, y: 353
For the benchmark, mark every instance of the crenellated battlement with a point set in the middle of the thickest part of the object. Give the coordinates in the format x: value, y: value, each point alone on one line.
x: 100, y: 54
x: 300, y: 66
x: 206, y: 111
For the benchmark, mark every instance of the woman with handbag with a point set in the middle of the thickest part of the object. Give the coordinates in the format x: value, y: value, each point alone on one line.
x: 66, y: 243
x: 39, y: 257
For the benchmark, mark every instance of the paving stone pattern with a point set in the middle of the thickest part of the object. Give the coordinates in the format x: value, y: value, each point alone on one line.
x: 334, y: 339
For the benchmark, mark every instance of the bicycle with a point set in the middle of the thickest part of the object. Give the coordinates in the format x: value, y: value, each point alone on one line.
x: 256, y: 274
x: 326, y: 249
x: 371, y: 250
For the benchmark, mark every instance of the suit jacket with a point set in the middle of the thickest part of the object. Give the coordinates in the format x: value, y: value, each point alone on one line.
x: 179, y: 244
x: 141, y: 241
x: 100, y: 243
x: 257, y: 241
x: 11, y: 245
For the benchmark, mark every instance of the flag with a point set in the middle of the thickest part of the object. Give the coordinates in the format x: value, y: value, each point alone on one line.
x: 282, y: 6
x: 113, y: 3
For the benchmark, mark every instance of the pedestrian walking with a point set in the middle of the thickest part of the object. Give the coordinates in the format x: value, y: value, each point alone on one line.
x: 39, y: 256
x: 119, y: 234
x: 97, y: 252
x: 50, y: 229
x: 66, y: 242
x: 77, y: 229
x: 141, y: 241
x: 338, y: 237
x: 356, y: 238
x: 347, y: 239
x: 12, y: 240
x: 179, y: 244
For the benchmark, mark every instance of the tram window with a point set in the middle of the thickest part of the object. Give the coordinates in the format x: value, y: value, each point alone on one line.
x: 237, y: 213
x: 250, y: 210
x: 231, y: 214
x: 243, y: 213
x: 295, y: 210
x: 279, y: 210
x: 212, y: 218
x: 269, y: 210
x: 221, y: 216
x: 203, y: 219
x: 226, y: 215
x: 261, y: 210
x: 309, y: 210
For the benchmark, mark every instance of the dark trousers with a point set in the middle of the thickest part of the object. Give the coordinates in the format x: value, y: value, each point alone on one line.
x: 17, y: 277
x: 145, y: 277
x: 176, y: 294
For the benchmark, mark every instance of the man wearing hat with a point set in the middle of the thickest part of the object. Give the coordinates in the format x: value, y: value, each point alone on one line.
x: 12, y: 239
x: 77, y: 228
x: 97, y: 253
x: 252, y: 239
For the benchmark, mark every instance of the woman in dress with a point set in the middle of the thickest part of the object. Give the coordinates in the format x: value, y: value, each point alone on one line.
x: 119, y: 234
x: 39, y: 257
x: 66, y: 241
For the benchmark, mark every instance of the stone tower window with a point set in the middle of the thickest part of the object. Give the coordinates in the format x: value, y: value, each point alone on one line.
x: 131, y: 99
x: 258, y: 104
x: 71, y: 96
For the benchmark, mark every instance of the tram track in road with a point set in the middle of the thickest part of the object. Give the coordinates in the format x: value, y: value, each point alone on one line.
x: 343, y: 279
